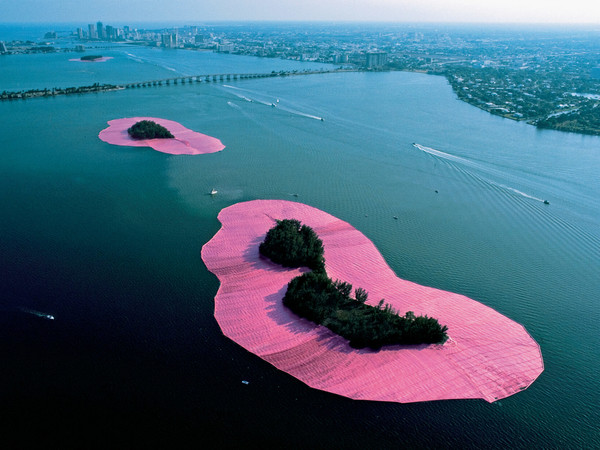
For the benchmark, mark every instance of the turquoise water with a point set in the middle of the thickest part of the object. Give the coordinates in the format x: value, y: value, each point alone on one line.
x: 129, y: 63
x: 107, y: 239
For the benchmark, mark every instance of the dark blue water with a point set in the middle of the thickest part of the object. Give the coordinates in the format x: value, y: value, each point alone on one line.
x: 107, y: 239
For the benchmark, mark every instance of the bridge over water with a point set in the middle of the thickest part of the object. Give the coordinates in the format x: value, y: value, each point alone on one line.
x: 222, y: 77
x: 205, y: 78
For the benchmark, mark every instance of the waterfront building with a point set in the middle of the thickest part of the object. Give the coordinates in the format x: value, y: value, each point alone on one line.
x: 92, y: 34
x: 376, y: 60
x: 169, y: 40
x: 225, y: 47
x: 100, y: 30
x: 3, y: 47
x: 110, y: 33
x: 340, y: 58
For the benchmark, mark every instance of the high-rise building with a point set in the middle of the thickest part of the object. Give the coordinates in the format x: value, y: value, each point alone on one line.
x: 169, y: 40
x: 101, y: 31
x: 80, y: 33
x: 376, y: 60
x: 225, y: 47
x: 340, y: 58
x: 110, y: 33
x: 92, y: 34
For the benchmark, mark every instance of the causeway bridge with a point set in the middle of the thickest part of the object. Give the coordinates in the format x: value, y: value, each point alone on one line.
x: 205, y: 78
x: 221, y: 77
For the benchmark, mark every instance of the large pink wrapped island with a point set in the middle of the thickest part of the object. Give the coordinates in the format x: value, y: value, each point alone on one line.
x: 487, y: 355
x: 185, y: 142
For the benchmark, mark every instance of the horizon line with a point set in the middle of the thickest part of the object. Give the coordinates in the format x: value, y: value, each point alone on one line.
x: 304, y: 21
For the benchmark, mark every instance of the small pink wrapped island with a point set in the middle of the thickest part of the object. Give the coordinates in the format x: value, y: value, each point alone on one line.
x: 185, y: 142
x: 487, y: 355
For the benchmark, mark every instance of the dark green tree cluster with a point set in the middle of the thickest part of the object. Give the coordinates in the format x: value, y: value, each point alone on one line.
x: 90, y: 57
x: 293, y: 245
x: 316, y: 297
x: 147, y: 129
x: 585, y: 119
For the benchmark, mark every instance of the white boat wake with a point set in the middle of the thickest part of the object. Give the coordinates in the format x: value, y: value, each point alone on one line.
x: 37, y: 313
x: 265, y: 100
x: 475, y: 165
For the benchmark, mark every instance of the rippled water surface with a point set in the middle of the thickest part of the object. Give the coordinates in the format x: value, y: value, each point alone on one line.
x: 107, y: 239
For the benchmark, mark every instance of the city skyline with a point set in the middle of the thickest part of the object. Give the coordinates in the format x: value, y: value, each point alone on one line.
x: 509, y: 11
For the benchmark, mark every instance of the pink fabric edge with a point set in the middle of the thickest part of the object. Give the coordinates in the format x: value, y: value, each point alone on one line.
x: 186, y: 142
x: 488, y: 356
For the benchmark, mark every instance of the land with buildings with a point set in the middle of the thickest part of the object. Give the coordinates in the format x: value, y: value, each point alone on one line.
x: 547, y: 76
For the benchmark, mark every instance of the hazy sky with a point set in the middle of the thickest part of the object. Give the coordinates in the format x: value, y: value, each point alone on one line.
x: 122, y: 11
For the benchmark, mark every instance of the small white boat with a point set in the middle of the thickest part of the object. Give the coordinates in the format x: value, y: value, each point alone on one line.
x: 213, y: 191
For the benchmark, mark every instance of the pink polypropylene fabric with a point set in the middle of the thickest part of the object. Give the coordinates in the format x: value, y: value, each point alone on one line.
x: 102, y: 59
x: 186, y: 142
x: 488, y: 356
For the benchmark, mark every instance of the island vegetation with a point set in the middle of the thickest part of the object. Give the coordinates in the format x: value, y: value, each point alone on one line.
x: 36, y: 93
x: 293, y: 245
x: 91, y: 57
x: 330, y: 303
x: 148, y: 129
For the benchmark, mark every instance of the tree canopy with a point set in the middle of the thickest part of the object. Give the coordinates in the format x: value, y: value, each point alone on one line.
x: 148, y: 129
x: 293, y: 245
x: 90, y: 57
x: 316, y: 297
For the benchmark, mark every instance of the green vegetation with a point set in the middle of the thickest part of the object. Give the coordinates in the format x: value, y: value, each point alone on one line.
x: 147, y: 129
x: 546, y: 102
x: 585, y: 119
x: 316, y: 297
x: 90, y: 57
x: 293, y: 245
x: 35, y: 93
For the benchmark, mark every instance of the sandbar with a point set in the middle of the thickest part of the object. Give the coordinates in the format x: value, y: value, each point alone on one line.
x: 488, y: 356
x: 102, y: 59
x: 186, y: 142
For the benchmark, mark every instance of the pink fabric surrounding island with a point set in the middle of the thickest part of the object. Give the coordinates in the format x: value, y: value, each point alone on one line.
x: 102, y: 59
x: 488, y: 356
x: 186, y: 142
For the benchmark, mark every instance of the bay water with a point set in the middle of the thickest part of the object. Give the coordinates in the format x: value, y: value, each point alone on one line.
x: 107, y: 239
